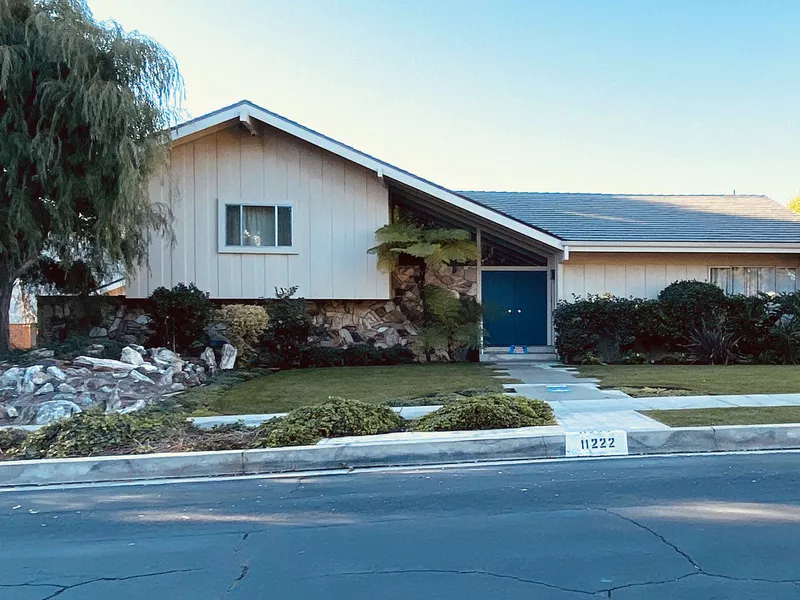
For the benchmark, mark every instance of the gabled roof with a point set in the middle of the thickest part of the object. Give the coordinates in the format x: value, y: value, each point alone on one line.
x: 640, y: 218
x: 245, y: 111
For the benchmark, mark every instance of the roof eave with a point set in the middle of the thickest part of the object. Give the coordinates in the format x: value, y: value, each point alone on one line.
x: 734, y: 247
x: 246, y: 110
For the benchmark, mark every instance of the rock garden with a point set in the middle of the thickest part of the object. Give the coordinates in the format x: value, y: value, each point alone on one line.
x: 46, y: 389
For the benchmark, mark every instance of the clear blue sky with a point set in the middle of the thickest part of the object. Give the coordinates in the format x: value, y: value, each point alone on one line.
x: 668, y: 96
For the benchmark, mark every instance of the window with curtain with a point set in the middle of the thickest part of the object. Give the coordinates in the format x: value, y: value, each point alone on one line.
x: 751, y: 281
x: 257, y: 226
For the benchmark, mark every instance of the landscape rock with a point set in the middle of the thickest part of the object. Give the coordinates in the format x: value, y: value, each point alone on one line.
x: 177, y: 387
x: 11, y: 412
x: 98, y: 332
x: 12, y: 377
x: 47, y: 388
x: 56, y: 373
x: 147, y: 368
x: 65, y: 388
x: 42, y: 353
x: 164, y: 354
x: 103, y: 364
x: 41, y: 377
x: 209, y: 359
x: 137, y: 376
x: 54, y: 410
x: 131, y: 356
x: 228, y: 359
x: 138, y: 405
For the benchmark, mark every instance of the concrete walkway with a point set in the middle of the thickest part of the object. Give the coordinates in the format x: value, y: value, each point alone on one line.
x: 579, y: 404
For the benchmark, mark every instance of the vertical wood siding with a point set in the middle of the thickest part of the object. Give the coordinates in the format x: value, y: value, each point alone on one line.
x: 645, y: 275
x: 337, y: 206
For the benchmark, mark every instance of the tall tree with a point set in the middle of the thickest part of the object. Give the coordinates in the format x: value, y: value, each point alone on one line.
x: 85, y: 109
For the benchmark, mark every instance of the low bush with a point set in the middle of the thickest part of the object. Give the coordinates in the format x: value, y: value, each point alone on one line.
x: 489, y: 411
x: 244, y: 326
x: 180, y: 316
x: 92, y: 433
x: 286, y: 337
x: 713, y: 344
x: 356, y: 356
x: 337, y: 417
x: 77, y: 345
x: 11, y: 440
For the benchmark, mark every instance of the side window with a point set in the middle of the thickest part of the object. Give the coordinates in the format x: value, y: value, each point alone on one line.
x: 248, y: 225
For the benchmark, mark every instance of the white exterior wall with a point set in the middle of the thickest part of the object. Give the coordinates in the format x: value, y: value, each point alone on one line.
x: 336, y: 205
x: 643, y: 275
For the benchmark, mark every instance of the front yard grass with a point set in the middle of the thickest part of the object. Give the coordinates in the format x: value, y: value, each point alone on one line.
x: 286, y: 390
x: 750, y: 415
x: 697, y: 379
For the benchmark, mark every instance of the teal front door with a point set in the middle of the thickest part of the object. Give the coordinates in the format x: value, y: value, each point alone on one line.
x: 515, y: 308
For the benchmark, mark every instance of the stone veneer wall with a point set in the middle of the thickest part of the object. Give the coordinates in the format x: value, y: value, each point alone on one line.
x: 99, y: 317
x: 341, y: 323
x: 388, y: 322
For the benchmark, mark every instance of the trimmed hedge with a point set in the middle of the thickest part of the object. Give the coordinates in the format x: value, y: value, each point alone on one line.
x: 336, y: 418
x: 607, y: 329
x: 488, y: 411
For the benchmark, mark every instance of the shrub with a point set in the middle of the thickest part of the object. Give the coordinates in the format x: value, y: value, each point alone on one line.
x: 356, y: 356
x: 335, y: 418
x: 687, y: 305
x: 76, y: 345
x: 713, y: 343
x: 12, y: 439
x: 180, y: 316
x: 633, y: 358
x: 674, y: 358
x: 607, y: 327
x: 245, y: 324
x: 286, y: 335
x: 489, y: 411
x: 90, y: 433
x: 451, y: 323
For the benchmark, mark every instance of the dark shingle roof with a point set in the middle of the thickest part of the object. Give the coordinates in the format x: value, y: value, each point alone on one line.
x: 623, y: 217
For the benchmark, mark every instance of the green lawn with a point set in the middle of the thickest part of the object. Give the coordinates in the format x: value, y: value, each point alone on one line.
x: 286, y: 390
x: 755, y: 415
x: 698, y: 379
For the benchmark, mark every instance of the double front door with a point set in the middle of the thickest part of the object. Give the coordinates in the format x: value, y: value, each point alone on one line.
x: 515, y: 307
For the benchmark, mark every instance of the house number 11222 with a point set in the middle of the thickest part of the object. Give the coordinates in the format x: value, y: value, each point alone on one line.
x: 596, y: 443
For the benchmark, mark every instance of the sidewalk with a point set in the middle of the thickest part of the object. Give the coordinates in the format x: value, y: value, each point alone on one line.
x: 579, y: 404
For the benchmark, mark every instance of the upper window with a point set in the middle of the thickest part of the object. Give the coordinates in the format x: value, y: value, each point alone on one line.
x: 750, y: 281
x: 258, y: 226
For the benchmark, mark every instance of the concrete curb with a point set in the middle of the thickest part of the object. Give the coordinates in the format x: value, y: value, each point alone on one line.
x: 527, y: 444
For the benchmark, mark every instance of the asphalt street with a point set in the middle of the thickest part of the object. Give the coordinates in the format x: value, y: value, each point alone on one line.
x: 701, y: 527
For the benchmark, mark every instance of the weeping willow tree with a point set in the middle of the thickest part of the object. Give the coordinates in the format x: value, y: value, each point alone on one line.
x: 84, y: 113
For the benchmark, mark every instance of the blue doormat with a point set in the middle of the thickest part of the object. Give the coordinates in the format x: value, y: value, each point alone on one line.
x: 557, y: 388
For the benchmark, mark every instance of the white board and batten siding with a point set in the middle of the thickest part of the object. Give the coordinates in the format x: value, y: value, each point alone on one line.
x: 336, y: 208
x: 645, y: 275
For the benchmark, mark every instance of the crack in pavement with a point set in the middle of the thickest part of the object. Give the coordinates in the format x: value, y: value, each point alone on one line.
x: 65, y: 588
x: 656, y: 534
x: 296, y: 488
x: 454, y: 572
x: 698, y: 569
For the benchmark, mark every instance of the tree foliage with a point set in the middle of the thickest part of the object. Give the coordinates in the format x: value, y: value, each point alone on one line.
x: 433, y: 246
x: 85, y: 109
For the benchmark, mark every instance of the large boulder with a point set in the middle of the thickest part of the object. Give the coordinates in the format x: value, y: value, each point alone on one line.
x: 54, y: 410
x: 210, y: 360
x: 228, y: 359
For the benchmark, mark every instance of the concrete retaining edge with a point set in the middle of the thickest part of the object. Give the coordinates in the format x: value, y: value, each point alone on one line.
x: 528, y: 445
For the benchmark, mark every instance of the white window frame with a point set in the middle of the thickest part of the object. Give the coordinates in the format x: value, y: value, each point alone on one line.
x: 223, y: 248
x: 776, y: 267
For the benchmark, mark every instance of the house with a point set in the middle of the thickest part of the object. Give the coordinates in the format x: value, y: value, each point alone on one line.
x: 262, y: 202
